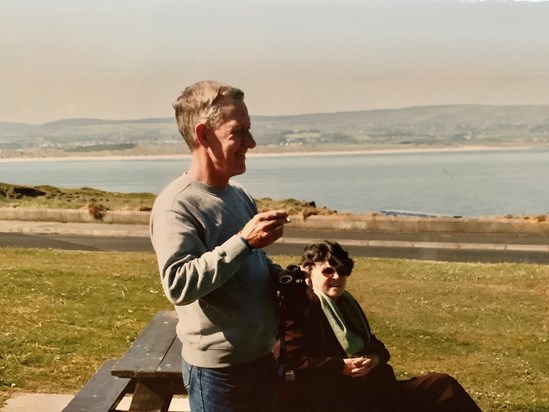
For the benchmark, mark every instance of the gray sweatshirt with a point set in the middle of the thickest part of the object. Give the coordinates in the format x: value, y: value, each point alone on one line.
x: 222, y: 291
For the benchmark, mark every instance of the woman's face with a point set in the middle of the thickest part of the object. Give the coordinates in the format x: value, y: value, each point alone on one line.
x: 325, y: 279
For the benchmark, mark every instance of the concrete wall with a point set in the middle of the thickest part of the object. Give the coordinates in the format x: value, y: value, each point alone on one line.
x: 371, y: 223
x: 73, y: 215
x: 423, y: 224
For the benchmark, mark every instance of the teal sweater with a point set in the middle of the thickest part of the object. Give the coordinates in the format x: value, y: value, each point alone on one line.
x: 222, y: 291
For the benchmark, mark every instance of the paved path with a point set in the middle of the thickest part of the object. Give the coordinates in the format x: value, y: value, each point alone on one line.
x: 426, y: 246
x: 38, y: 402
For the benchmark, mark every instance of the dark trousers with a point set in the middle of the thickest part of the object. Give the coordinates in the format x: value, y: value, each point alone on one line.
x: 437, y: 392
x: 378, y: 392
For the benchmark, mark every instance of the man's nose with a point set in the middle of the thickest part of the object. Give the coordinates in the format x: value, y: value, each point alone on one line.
x: 250, y: 141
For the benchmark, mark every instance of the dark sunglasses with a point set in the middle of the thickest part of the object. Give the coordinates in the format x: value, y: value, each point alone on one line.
x: 330, y: 271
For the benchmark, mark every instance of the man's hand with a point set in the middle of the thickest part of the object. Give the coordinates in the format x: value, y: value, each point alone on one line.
x: 264, y: 228
x: 355, y: 367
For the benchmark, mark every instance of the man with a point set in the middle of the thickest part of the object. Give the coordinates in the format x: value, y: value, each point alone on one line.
x: 208, y: 237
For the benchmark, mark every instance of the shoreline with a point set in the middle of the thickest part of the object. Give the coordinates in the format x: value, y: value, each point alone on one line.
x: 416, y: 150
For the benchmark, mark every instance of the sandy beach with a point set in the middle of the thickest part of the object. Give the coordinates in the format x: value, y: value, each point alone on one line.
x: 276, y: 154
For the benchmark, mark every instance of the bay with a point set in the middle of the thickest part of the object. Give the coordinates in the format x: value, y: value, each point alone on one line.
x: 465, y: 183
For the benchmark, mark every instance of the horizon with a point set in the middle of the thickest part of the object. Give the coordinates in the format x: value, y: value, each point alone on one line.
x: 122, y: 60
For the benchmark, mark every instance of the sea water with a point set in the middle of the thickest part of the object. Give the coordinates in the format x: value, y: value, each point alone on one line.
x: 465, y: 183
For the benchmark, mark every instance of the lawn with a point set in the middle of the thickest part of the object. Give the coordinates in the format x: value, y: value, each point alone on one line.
x: 65, y: 312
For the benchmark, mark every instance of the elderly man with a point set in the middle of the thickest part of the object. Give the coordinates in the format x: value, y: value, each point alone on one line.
x: 208, y: 238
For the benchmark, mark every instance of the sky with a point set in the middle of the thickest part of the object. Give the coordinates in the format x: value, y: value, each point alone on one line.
x: 129, y: 59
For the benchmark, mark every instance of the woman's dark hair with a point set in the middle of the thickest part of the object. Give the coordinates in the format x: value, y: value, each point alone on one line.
x: 332, y: 252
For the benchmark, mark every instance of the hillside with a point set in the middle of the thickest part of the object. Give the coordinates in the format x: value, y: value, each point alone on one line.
x: 97, y: 202
x: 425, y: 126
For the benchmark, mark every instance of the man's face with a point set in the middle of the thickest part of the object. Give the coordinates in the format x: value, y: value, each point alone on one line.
x: 230, y: 141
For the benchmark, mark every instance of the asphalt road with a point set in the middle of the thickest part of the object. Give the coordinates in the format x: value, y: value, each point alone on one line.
x: 458, y: 247
x: 425, y: 246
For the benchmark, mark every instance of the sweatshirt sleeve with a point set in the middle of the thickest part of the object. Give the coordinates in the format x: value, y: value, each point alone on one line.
x: 189, y: 271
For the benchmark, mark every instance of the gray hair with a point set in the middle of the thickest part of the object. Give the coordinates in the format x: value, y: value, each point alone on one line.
x: 198, y: 104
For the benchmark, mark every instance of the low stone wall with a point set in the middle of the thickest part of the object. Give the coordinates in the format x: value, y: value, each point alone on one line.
x: 371, y: 223
x: 401, y: 224
x: 73, y: 216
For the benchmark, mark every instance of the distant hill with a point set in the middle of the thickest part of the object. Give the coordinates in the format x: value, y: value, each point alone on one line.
x: 422, y: 126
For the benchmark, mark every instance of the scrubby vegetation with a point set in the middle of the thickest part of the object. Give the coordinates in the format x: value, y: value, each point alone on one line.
x: 85, y: 197
x: 98, y: 201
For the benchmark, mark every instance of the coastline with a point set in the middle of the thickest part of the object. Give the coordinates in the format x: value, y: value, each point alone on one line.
x: 278, y: 154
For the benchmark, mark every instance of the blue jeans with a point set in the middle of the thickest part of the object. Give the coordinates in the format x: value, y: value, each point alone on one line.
x: 250, y: 387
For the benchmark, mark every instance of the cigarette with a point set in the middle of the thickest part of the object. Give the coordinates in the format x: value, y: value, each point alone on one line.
x: 288, y: 220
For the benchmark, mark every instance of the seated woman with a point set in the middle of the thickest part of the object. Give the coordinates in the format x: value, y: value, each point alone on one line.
x: 331, y: 360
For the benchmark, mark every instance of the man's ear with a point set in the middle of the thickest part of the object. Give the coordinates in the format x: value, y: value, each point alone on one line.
x: 201, y: 133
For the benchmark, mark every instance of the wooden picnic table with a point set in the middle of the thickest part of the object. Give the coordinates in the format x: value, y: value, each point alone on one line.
x: 153, y: 363
x: 150, y: 370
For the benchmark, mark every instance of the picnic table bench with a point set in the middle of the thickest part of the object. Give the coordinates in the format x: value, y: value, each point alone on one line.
x: 150, y: 370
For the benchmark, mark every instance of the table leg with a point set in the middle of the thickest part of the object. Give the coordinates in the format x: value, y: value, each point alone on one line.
x: 151, y: 395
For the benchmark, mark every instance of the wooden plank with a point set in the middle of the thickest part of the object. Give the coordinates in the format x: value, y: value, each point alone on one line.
x: 149, y: 349
x: 171, y: 368
x: 101, y: 393
x: 172, y: 362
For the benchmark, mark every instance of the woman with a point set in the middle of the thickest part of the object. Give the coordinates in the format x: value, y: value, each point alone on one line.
x: 330, y: 359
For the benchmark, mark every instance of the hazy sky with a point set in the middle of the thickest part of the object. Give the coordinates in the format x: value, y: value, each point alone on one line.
x: 127, y: 59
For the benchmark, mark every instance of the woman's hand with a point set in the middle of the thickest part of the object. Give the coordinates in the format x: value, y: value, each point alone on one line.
x: 356, y: 367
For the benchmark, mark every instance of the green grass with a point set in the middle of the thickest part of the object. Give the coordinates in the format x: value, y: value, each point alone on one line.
x: 65, y: 312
